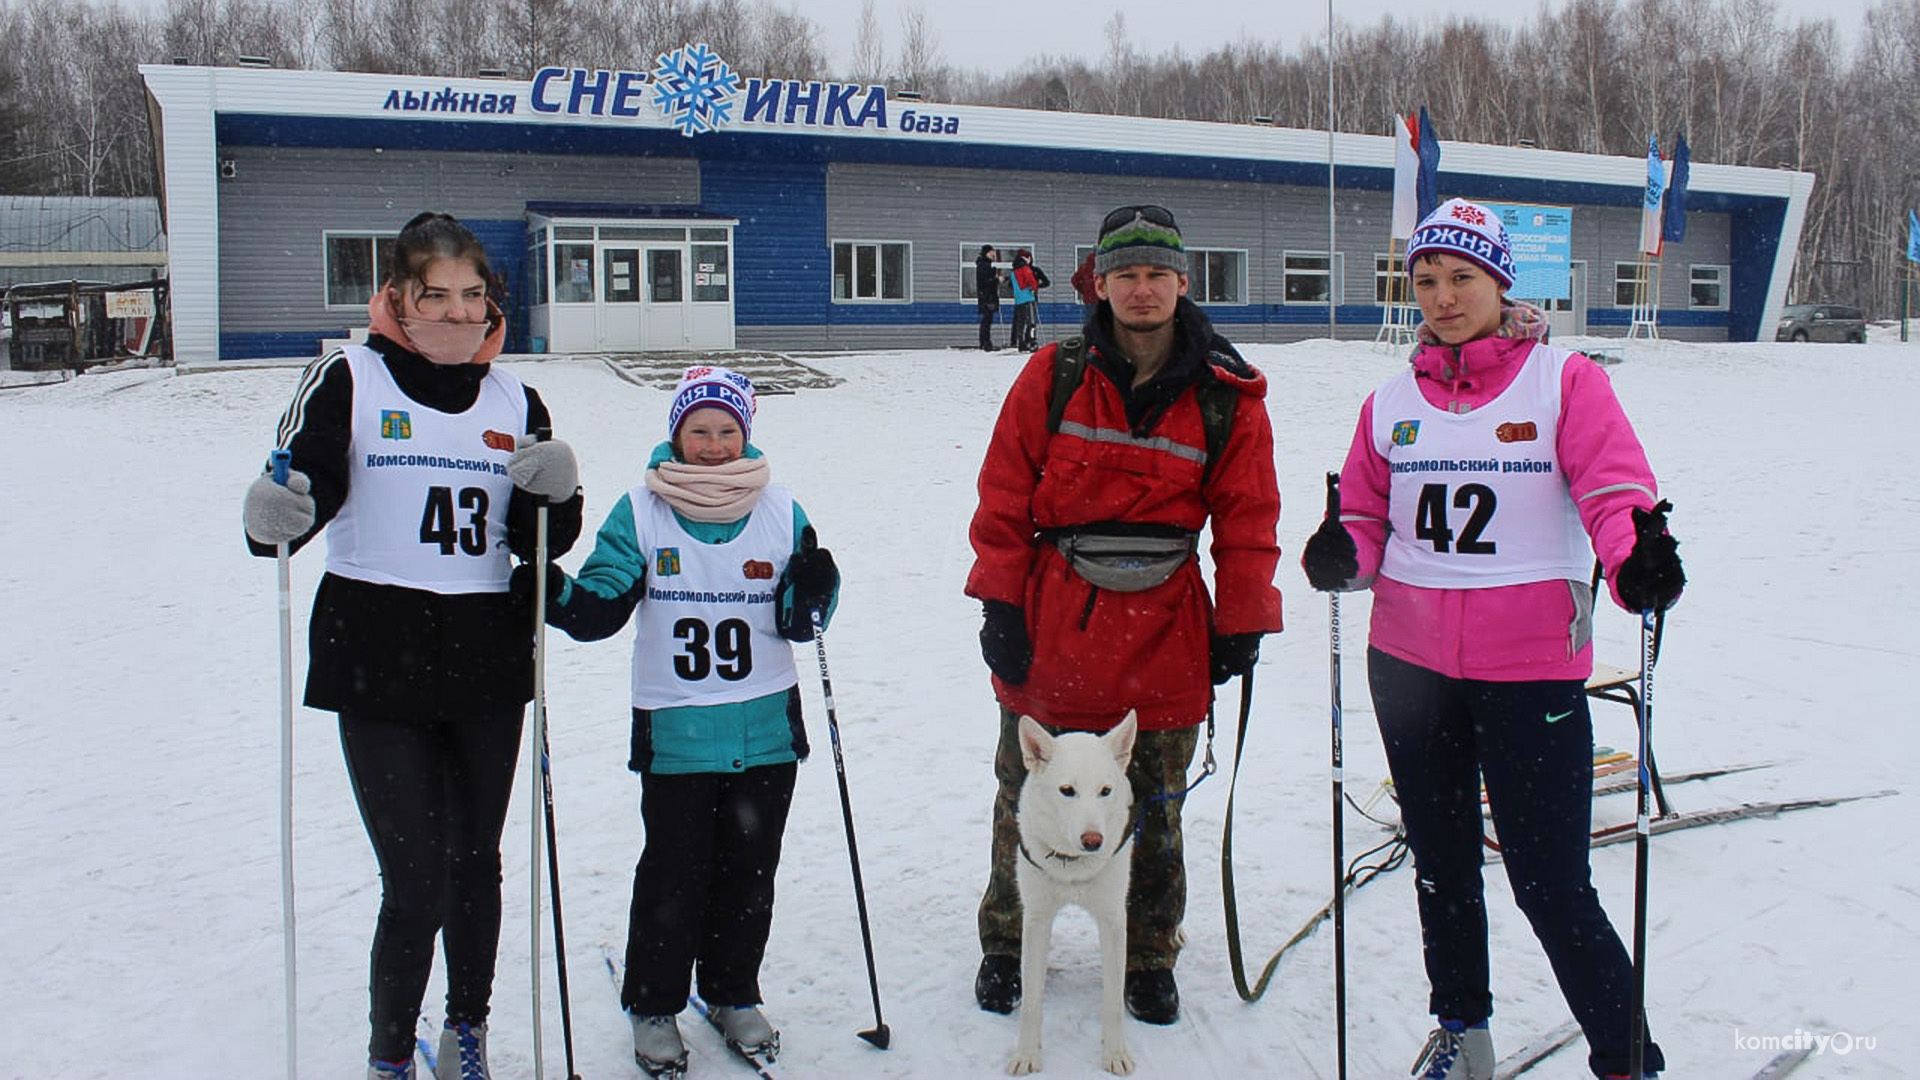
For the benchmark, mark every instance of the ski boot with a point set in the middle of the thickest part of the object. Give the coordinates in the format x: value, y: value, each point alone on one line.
x: 389, y: 1070
x: 1455, y: 1051
x: 657, y: 1048
x: 745, y: 1029
x: 463, y: 1052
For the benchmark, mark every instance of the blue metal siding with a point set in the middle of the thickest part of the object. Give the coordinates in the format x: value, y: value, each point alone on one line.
x: 1751, y: 250
x: 777, y: 185
x: 781, y: 265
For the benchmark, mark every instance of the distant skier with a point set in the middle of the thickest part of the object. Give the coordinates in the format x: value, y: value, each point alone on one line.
x: 986, y: 290
x: 1028, y: 280
x: 1472, y: 489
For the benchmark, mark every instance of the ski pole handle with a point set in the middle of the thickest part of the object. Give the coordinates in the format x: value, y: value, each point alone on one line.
x: 1333, y: 496
x: 280, y: 462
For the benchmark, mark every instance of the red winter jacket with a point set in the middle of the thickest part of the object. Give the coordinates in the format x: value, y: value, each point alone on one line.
x: 1098, y: 653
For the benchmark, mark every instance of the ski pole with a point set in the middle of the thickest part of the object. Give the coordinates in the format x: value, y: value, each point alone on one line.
x: 1339, y: 805
x: 281, y: 461
x: 1649, y: 527
x: 546, y: 766
x: 553, y: 882
x: 536, y: 749
x: 879, y: 1036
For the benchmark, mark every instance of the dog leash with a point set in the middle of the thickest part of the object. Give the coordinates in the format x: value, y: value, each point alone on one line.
x: 1226, y: 865
x: 1208, y: 766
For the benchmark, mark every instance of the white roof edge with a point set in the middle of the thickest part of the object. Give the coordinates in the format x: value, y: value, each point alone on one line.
x: 354, y: 94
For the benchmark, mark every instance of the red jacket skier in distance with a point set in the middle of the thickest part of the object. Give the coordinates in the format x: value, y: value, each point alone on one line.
x: 1143, y: 650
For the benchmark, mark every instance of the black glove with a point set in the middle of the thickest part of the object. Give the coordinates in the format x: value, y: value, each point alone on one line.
x: 811, y: 579
x: 520, y: 584
x: 1232, y: 654
x: 1004, y: 642
x: 1650, y: 578
x: 1330, y: 559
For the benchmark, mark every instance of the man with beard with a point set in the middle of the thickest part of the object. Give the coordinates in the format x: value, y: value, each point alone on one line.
x: 1085, y: 544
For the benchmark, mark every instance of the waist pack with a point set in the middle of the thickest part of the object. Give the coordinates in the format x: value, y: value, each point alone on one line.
x: 1125, y: 563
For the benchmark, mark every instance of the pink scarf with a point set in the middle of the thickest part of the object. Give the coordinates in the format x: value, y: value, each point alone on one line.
x: 712, y: 493
x: 1518, y: 319
x: 383, y: 320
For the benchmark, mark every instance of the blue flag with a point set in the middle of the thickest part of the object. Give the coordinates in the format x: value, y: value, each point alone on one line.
x: 1913, y: 237
x: 1674, y: 220
x: 1656, y: 177
x: 1426, y: 185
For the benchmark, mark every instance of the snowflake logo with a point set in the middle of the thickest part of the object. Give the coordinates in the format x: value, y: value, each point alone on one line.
x: 694, y: 89
x: 1469, y: 213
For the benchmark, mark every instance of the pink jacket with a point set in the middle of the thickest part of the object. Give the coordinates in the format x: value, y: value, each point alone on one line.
x: 1513, y: 633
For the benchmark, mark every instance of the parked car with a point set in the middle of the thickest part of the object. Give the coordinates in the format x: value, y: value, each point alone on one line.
x: 1821, y: 322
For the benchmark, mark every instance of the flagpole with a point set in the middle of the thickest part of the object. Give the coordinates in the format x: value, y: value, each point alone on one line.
x: 1333, y: 259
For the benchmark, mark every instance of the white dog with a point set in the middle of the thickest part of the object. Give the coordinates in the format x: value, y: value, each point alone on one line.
x: 1075, y: 821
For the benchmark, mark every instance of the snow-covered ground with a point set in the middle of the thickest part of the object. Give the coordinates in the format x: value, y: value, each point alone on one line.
x: 141, y: 895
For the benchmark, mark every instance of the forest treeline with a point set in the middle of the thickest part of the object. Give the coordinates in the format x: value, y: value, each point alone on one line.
x: 1746, y: 85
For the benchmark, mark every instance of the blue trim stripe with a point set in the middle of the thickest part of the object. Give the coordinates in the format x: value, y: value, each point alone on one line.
x: 755, y: 148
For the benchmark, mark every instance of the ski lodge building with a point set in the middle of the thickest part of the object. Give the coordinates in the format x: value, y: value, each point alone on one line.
x: 693, y: 208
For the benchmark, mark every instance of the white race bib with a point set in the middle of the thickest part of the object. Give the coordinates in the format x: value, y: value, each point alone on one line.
x: 427, y: 497
x: 1477, y: 500
x: 706, y: 629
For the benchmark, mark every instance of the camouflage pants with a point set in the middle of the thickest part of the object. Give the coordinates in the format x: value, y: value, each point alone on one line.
x: 1157, y: 894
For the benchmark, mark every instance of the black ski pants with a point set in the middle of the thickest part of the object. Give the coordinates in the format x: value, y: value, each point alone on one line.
x: 703, y: 889
x: 1026, y: 333
x: 433, y: 797
x: 987, y: 314
x: 1532, y: 744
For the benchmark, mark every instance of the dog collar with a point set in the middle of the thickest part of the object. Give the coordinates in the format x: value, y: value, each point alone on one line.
x: 1065, y: 858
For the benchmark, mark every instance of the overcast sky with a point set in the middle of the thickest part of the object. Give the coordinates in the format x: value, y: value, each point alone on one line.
x: 997, y: 35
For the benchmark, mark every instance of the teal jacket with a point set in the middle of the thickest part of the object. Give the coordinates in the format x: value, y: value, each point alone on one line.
x: 597, y: 603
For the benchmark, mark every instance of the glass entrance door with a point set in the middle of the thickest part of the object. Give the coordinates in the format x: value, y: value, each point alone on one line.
x: 666, y: 298
x: 620, y: 299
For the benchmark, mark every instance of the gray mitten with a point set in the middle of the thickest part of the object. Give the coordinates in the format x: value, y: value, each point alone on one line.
x: 279, y: 514
x: 547, y: 469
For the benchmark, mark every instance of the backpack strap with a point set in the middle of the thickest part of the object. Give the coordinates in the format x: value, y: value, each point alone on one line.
x: 1069, y: 367
x: 1217, y: 400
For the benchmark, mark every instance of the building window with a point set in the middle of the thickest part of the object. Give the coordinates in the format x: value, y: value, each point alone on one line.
x: 870, y: 271
x: 356, y: 265
x: 1217, y: 277
x: 572, y: 273
x: 971, y: 251
x: 663, y: 276
x: 537, y: 272
x: 1310, y: 277
x: 1626, y: 282
x: 712, y: 283
x: 1707, y: 287
x: 1390, y: 283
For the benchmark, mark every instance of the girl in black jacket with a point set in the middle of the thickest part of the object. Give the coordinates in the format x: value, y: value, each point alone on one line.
x: 413, y: 452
